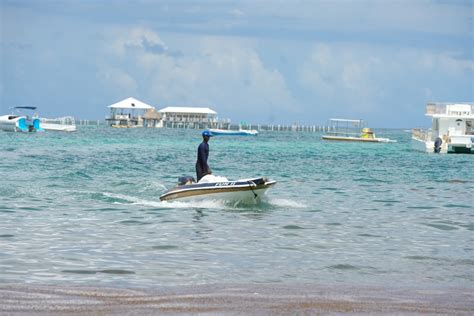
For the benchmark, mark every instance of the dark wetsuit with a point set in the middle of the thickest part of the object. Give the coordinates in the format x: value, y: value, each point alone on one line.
x: 201, y: 164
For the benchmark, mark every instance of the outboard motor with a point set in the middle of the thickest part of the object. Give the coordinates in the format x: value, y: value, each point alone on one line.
x: 437, y: 145
x: 186, y: 180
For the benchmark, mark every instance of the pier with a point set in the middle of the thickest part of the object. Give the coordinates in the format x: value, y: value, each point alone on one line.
x: 229, y: 126
x: 281, y: 127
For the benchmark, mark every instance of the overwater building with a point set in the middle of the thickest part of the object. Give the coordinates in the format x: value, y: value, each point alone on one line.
x: 189, y: 117
x: 134, y: 113
x: 128, y: 113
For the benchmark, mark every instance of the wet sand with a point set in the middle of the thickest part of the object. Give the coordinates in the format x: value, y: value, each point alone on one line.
x: 231, y: 299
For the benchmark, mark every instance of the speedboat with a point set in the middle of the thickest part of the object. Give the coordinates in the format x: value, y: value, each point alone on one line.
x: 229, y: 132
x: 19, y: 122
x: 211, y: 187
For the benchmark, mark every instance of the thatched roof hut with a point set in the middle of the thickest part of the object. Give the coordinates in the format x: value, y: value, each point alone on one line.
x: 152, y: 114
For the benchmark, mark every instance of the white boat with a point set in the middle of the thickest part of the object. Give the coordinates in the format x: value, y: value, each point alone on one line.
x: 19, y: 122
x: 65, y: 124
x: 210, y: 187
x: 352, y: 130
x: 229, y: 132
x: 452, y: 129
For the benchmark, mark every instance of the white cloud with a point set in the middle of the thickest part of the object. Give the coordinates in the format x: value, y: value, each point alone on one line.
x: 447, y: 63
x: 138, y: 38
x: 377, y: 16
x: 361, y: 78
x: 236, y: 13
x: 338, y: 74
x: 225, y: 73
x: 117, y: 79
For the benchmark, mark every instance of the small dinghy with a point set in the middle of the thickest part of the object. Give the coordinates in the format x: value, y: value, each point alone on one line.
x: 211, y: 187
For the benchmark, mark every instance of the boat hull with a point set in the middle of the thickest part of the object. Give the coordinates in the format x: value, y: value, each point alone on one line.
x: 58, y: 127
x: 240, y: 191
x: 63, y: 124
x: 446, y: 148
x: 15, y: 123
x: 224, y: 132
x: 426, y: 146
x: 357, y: 139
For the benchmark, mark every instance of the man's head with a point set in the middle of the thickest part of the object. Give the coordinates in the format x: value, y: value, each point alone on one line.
x: 206, y: 135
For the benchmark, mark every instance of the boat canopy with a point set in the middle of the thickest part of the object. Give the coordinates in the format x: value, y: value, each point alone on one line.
x: 24, y: 107
x: 131, y: 103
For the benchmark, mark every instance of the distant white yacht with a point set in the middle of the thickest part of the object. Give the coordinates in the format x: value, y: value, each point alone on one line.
x: 452, y: 129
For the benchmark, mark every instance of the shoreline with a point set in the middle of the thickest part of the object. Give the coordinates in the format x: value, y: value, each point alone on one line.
x: 231, y: 299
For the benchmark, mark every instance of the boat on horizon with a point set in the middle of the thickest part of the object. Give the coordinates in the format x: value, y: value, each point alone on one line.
x: 19, y: 122
x: 452, y: 129
x: 210, y: 187
x: 353, y: 131
x: 229, y: 132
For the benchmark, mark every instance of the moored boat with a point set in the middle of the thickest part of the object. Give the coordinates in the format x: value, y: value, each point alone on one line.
x: 64, y: 124
x: 20, y: 122
x: 452, y: 129
x: 228, y: 132
x: 353, y: 131
x: 219, y: 188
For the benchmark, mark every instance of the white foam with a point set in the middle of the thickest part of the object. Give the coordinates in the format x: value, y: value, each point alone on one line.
x: 210, y: 204
x: 166, y: 204
x: 286, y: 203
x: 154, y: 185
x: 205, y: 204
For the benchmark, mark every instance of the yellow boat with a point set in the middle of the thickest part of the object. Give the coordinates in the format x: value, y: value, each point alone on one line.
x: 352, y: 131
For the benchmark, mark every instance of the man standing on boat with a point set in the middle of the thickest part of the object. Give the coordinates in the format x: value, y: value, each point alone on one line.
x: 202, y: 168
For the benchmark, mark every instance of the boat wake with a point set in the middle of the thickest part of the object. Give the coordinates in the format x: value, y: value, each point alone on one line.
x: 127, y: 199
x: 287, y: 203
x: 267, y: 204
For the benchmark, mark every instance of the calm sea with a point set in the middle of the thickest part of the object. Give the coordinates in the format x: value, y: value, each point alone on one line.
x: 84, y: 208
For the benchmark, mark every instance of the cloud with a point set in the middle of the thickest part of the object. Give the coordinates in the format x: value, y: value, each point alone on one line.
x: 446, y: 62
x: 372, y: 16
x: 236, y: 13
x: 227, y: 74
x: 365, y: 79
x: 117, y: 79
x: 337, y: 75
x: 137, y: 38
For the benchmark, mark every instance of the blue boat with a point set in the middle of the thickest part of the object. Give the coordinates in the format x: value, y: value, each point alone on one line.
x: 228, y: 132
x: 20, y: 122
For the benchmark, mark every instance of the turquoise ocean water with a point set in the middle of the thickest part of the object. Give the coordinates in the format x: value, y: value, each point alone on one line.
x: 84, y: 208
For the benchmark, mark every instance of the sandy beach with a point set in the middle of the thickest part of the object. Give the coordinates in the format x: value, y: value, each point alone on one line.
x: 231, y: 299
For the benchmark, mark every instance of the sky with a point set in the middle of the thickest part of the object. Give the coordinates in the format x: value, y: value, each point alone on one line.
x: 258, y: 61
